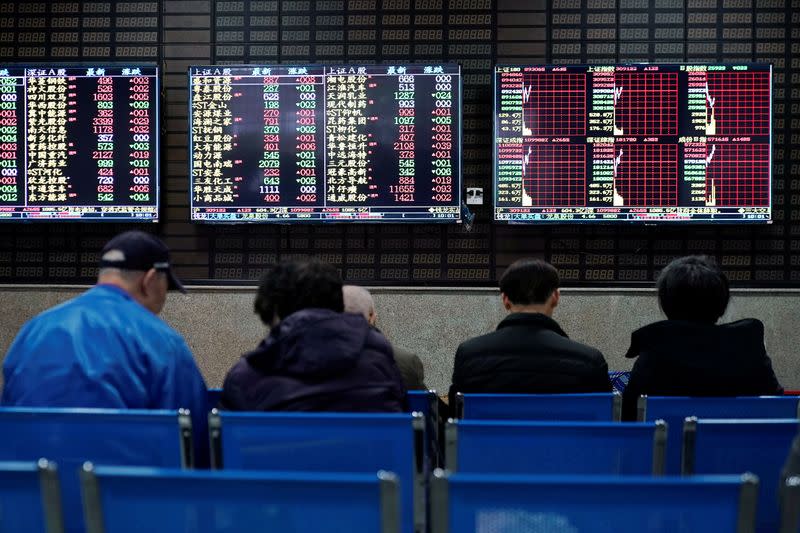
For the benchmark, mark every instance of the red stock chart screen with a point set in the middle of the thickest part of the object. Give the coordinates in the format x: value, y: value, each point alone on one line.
x: 638, y: 142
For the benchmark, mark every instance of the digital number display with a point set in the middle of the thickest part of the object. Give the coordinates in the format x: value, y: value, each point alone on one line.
x: 79, y: 143
x: 325, y: 143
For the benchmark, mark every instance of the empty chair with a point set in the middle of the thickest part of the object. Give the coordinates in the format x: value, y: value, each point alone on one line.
x: 509, y: 447
x: 480, y: 503
x: 790, y: 503
x: 136, y: 500
x: 29, y: 498
x: 427, y: 403
x: 212, y: 398
x: 674, y: 410
x: 106, y: 436
x: 736, y: 446
x: 327, y: 442
x: 600, y: 407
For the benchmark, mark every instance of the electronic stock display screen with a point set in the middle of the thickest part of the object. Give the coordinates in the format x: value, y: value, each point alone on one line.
x: 280, y: 143
x: 79, y: 142
x: 636, y: 142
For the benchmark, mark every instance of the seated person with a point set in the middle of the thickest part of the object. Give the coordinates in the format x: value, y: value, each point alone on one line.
x: 315, y: 357
x: 529, y: 352
x: 689, y: 354
x: 107, y: 348
x: 358, y: 300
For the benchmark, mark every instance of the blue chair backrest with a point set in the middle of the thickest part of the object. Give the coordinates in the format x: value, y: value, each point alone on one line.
x: 508, y: 447
x: 105, y: 436
x: 600, y: 407
x: 136, y: 500
x: 592, y: 504
x: 327, y: 442
x: 427, y: 403
x: 790, y: 504
x: 674, y: 410
x: 212, y: 398
x: 736, y: 446
x: 29, y: 498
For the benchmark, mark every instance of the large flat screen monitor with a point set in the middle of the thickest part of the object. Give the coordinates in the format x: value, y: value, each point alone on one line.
x: 638, y: 142
x: 279, y: 143
x: 79, y: 142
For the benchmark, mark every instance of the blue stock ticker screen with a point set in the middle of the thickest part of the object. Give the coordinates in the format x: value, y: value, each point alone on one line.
x: 637, y: 142
x: 79, y: 142
x: 325, y: 143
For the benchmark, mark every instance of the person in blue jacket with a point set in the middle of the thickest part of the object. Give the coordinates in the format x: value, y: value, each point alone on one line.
x: 107, y: 348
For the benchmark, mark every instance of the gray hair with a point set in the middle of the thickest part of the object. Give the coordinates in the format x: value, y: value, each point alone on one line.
x: 358, y: 300
x: 128, y: 276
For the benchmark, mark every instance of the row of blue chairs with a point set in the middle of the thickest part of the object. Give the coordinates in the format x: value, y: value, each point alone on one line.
x: 353, y: 442
x: 128, y: 437
x: 131, y: 500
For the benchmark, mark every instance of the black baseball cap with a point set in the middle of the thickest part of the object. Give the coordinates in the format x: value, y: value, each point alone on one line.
x: 137, y: 250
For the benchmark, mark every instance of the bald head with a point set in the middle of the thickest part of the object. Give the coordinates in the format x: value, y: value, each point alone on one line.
x: 358, y: 300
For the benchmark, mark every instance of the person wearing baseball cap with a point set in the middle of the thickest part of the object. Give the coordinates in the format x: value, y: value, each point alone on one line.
x: 107, y: 347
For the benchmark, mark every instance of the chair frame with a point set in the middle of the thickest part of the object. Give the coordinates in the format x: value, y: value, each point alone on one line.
x: 183, y: 418
x: 641, y: 407
x: 440, y: 500
x: 93, y: 512
x: 659, y: 444
x: 51, y: 495
x: 688, y: 449
x: 215, y: 429
x: 616, y: 405
x: 790, y: 506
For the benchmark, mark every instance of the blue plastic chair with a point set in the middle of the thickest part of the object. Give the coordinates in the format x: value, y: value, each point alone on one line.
x: 736, y: 446
x: 466, y: 503
x: 427, y: 403
x: 136, y: 500
x: 599, y: 407
x: 328, y: 442
x: 105, y: 436
x: 212, y: 398
x: 674, y: 410
x: 509, y: 447
x: 790, y: 504
x: 30, y: 501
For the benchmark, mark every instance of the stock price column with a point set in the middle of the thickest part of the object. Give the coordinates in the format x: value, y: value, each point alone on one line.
x: 12, y: 141
x: 256, y: 149
x: 92, y: 145
x: 393, y: 142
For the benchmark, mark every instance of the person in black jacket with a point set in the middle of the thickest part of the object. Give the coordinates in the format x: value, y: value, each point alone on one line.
x: 315, y: 358
x: 689, y: 354
x: 529, y: 352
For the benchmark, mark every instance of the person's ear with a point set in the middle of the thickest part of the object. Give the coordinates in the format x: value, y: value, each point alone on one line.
x: 149, y: 282
x: 506, y: 301
x: 554, y: 298
x: 373, y: 317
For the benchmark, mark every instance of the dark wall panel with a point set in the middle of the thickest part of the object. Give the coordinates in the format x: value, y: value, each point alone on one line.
x: 475, y: 33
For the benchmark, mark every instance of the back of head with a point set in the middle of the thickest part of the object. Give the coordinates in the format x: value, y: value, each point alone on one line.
x: 529, y: 281
x: 358, y: 300
x: 693, y: 288
x: 291, y: 286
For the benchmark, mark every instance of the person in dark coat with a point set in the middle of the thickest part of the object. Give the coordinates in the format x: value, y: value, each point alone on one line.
x: 529, y: 352
x: 689, y: 354
x: 315, y: 357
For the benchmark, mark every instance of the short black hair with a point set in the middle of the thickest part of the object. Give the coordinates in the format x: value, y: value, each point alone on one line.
x: 693, y: 288
x: 529, y: 281
x: 294, y: 285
